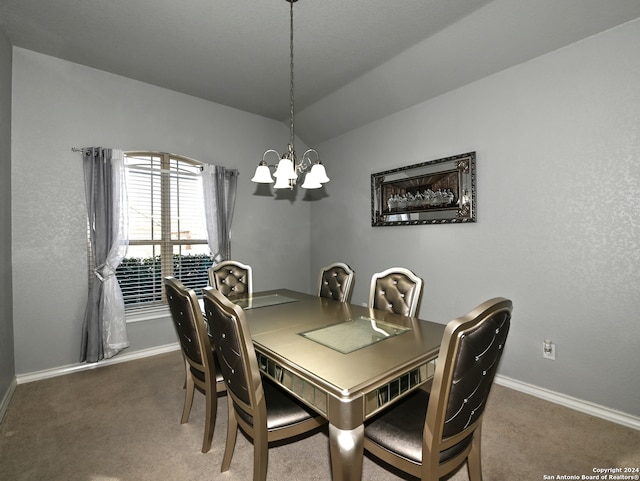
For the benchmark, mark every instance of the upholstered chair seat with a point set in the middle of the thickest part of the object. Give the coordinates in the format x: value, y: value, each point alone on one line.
x: 198, y: 374
x: 281, y: 411
x: 400, y: 430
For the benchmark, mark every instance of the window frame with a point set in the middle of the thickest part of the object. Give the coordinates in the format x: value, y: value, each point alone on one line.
x: 154, y: 309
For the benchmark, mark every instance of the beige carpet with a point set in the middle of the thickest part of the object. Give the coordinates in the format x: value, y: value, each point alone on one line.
x: 122, y: 423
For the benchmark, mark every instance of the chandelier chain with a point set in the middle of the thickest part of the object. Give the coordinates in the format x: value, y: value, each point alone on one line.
x: 291, y: 105
x: 288, y: 168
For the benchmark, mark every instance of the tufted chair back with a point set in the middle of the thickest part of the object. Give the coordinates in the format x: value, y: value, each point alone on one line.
x: 396, y: 290
x: 336, y: 282
x: 200, y: 367
x: 430, y: 445
x: 188, y: 321
x: 249, y: 395
x: 235, y: 352
x: 232, y: 278
x: 469, y: 355
x: 474, y: 347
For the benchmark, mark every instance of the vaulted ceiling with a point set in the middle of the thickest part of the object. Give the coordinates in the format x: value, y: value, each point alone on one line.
x: 355, y: 60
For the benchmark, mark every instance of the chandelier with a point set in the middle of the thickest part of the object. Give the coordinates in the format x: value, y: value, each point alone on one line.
x: 288, y: 168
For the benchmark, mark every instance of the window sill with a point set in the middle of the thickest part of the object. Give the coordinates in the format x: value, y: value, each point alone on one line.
x: 147, y: 314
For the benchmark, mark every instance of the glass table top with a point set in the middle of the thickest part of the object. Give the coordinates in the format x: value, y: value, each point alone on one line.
x: 255, y: 302
x: 354, y: 334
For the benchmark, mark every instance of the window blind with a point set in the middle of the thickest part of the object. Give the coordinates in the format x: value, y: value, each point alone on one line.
x: 167, y: 231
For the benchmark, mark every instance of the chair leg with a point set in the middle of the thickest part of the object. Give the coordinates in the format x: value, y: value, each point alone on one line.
x: 474, y: 462
x: 211, y: 400
x: 232, y: 433
x: 260, y: 454
x: 188, y: 399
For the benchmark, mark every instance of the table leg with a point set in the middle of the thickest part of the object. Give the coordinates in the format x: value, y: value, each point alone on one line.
x: 347, y: 449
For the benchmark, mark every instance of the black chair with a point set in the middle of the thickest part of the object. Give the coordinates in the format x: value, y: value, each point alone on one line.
x: 262, y: 410
x: 232, y: 278
x: 200, y: 365
x: 396, y: 290
x: 429, y: 435
x: 336, y: 282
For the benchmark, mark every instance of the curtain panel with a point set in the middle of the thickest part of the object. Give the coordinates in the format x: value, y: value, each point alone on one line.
x: 104, y: 328
x: 219, y: 186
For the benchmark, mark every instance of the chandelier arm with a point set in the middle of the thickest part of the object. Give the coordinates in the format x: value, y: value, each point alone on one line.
x: 305, y: 160
x: 306, y: 155
x: 264, y: 161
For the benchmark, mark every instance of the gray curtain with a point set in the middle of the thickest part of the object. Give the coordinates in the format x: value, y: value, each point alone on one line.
x: 219, y: 187
x: 104, y: 326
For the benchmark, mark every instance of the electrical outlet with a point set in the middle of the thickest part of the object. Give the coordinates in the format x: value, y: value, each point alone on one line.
x: 548, y: 350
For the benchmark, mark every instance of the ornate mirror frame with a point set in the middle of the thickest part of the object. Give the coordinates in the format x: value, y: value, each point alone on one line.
x: 441, y: 191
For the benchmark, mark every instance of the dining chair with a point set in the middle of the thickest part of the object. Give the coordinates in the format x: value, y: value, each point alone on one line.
x: 336, y: 282
x: 431, y: 434
x: 232, y: 278
x: 396, y: 290
x: 262, y: 410
x: 201, y: 370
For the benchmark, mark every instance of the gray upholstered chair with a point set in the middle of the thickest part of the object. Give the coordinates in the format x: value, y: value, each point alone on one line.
x: 200, y: 366
x: 429, y: 435
x: 336, y: 282
x: 232, y: 278
x: 396, y: 290
x: 262, y: 410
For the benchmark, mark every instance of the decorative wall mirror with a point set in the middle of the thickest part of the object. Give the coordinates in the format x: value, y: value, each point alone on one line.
x: 441, y: 191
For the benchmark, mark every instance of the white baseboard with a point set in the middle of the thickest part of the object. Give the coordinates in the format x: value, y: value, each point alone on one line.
x: 4, y: 404
x: 592, y: 409
x: 83, y: 366
x: 587, y: 407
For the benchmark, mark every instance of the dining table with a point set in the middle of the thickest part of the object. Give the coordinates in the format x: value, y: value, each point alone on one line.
x: 346, y: 362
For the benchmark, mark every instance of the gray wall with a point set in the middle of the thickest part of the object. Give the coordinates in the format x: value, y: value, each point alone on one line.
x: 558, y: 228
x: 558, y: 219
x: 7, y: 366
x: 59, y: 105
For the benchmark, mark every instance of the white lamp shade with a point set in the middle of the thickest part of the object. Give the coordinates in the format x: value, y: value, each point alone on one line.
x: 319, y: 172
x: 311, y: 181
x: 262, y: 175
x: 285, y: 170
x: 282, y: 183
